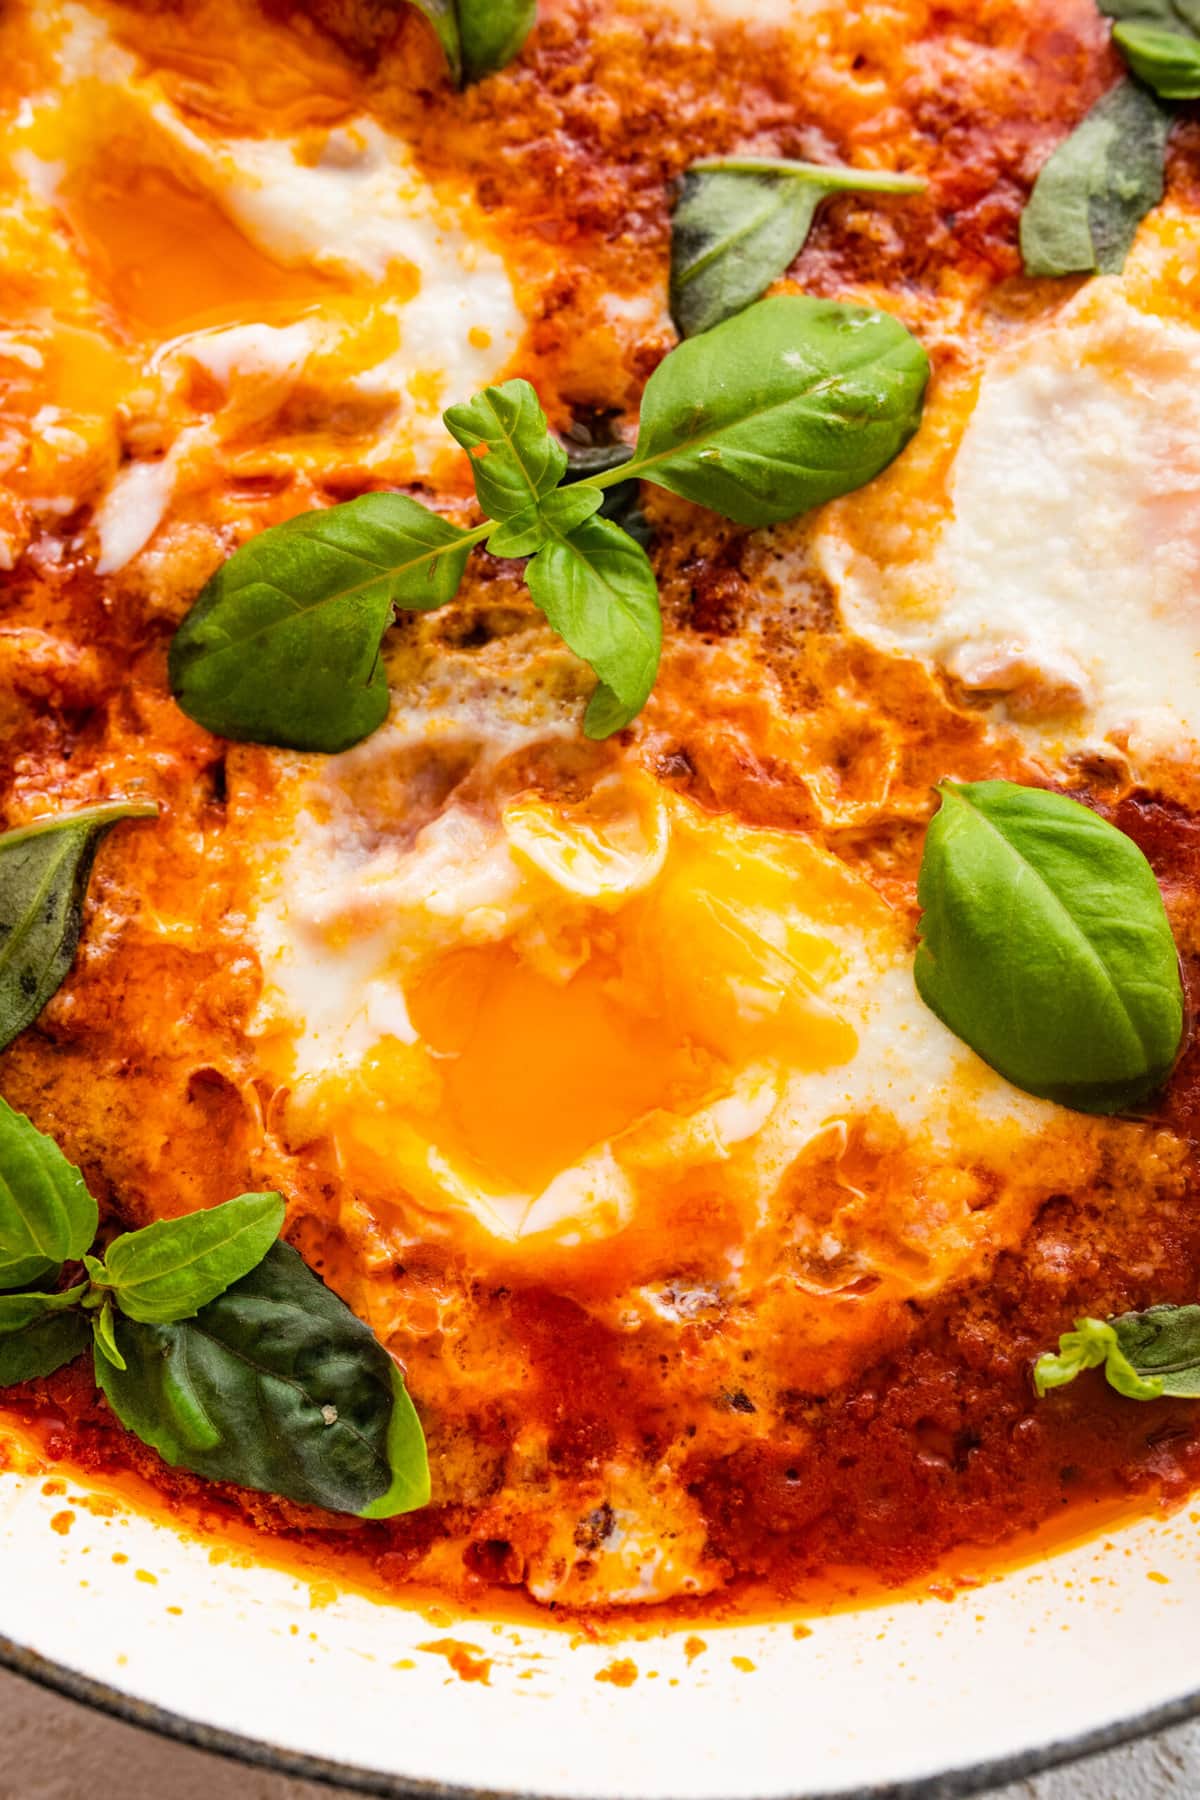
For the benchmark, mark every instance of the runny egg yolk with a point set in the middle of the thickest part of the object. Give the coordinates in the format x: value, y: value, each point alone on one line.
x: 167, y: 256
x: 593, y: 1040
x: 535, y: 1073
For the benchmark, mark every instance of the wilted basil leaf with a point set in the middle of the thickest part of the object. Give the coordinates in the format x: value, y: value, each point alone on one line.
x: 788, y: 404
x: 598, y: 591
x: 47, y: 1216
x: 621, y: 503
x: 1097, y: 186
x: 1045, y: 946
x: 282, y: 646
x: 276, y: 1386
x: 169, y: 1270
x: 1146, y: 1355
x: 1165, y: 60
x: 740, y: 222
x: 38, y: 1334
x: 44, y: 871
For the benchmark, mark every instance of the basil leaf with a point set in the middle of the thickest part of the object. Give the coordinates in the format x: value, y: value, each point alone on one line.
x: 493, y: 33
x: 1145, y: 1354
x: 559, y: 513
x: 282, y: 646
x: 621, y: 503
x: 598, y: 591
x: 521, y: 462
x: 44, y: 871
x: 479, y: 36
x: 103, y: 1331
x: 47, y: 1216
x: 1171, y: 15
x: 169, y: 1270
x: 1164, y: 60
x: 39, y: 1333
x: 275, y: 1385
x: 1045, y: 946
x: 1097, y: 186
x: 741, y: 222
x: 788, y: 404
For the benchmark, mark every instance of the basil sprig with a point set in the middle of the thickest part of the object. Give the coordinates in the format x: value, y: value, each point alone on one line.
x: 212, y: 1341
x: 479, y: 36
x: 1097, y: 186
x: 1046, y: 947
x: 1145, y: 1355
x: 740, y: 222
x: 1166, y: 61
x: 44, y: 872
x: 789, y: 404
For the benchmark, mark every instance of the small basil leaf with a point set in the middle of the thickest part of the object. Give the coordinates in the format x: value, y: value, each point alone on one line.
x: 520, y: 461
x: 782, y: 407
x: 106, y: 1343
x: 1045, y: 946
x: 741, y: 222
x: 276, y: 1386
x: 169, y: 1270
x: 1171, y: 15
x: 44, y: 871
x: 1145, y: 1354
x: 560, y: 512
x: 282, y: 646
x: 598, y: 591
x: 1164, y: 60
x: 47, y: 1216
x: 493, y: 33
x: 1097, y: 186
x: 38, y: 1334
x: 622, y: 503
x: 479, y: 36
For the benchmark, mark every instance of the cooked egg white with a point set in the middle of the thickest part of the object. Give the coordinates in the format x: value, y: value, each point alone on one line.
x: 1052, y: 572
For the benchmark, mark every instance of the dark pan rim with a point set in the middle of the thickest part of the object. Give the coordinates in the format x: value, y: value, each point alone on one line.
x: 256, y: 1753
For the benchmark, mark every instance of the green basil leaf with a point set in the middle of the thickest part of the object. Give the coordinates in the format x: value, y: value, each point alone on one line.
x: 1097, y: 186
x: 559, y: 513
x: 740, y: 222
x: 493, y: 33
x: 598, y: 591
x: 44, y: 872
x: 621, y: 503
x: 1171, y: 15
x: 782, y: 407
x: 479, y: 36
x: 39, y: 1333
x: 103, y: 1331
x: 1145, y: 1354
x: 47, y: 1216
x: 520, y: 461
x: 1164, y: 60
x: 275, y: 1385
x: 1045, y: 946
x: 282, y: 646
x: 169, y: 1270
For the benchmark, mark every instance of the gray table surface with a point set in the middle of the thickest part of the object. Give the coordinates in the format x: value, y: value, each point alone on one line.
x: 55, y: 1750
